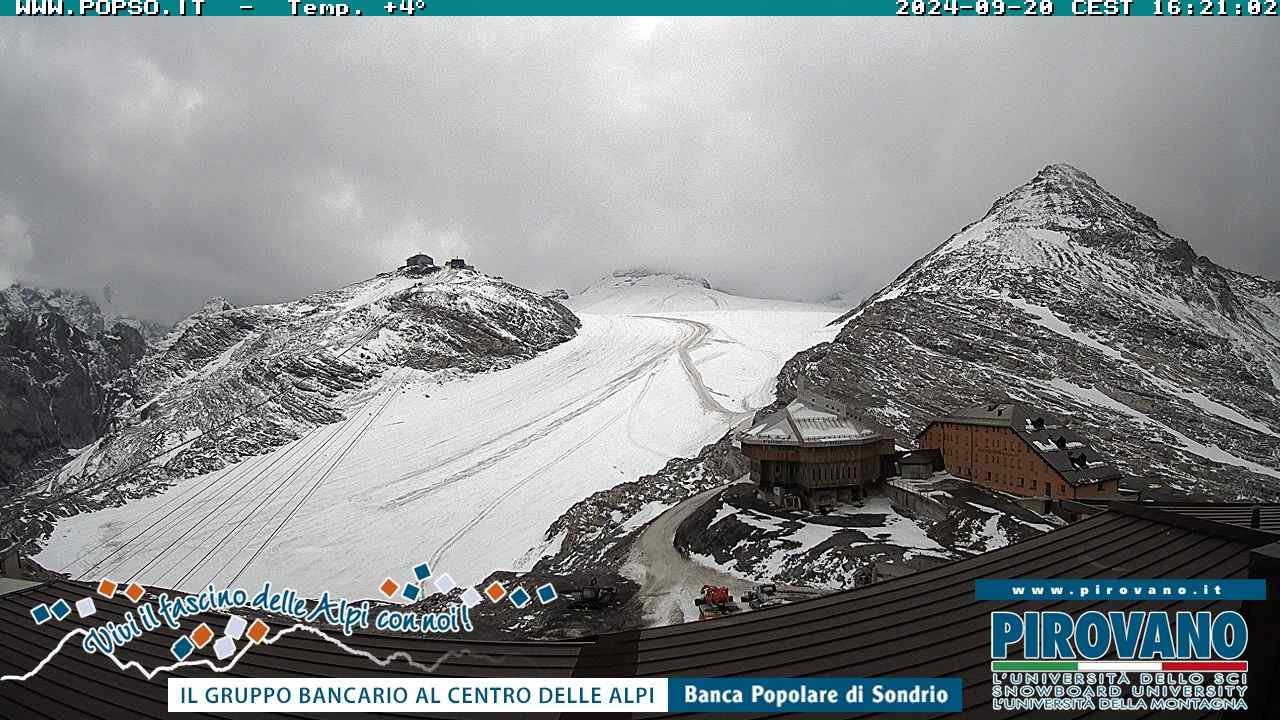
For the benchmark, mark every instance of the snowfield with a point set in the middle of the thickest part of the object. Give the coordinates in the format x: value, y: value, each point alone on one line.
x: 464, y: 472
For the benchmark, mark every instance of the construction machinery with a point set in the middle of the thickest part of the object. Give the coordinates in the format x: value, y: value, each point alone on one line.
x: 716, y: 601
x: 592, y: 596
x: 763, y: 596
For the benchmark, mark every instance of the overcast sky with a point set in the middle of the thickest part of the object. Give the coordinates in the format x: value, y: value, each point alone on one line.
x: 263, y: 159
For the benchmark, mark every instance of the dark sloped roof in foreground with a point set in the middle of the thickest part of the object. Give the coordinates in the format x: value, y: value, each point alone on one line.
x: 925, y: 624
x: 1241, y: 514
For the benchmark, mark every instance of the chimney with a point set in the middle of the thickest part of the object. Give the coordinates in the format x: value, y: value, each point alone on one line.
x: 1255, y: 520
x: 11, y: 565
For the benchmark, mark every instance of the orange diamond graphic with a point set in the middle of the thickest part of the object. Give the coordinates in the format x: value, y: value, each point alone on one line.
x: 202, y: 635
x: 134, y: 592
x: 495, y: 591
x: 107, y: 588
x: 389, y: 588
x: 257, y: 631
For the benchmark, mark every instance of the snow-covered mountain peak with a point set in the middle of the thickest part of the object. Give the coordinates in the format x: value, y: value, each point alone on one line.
x: 1069, y: 298
x: 643, y: 291
x: 215, y: 305
x: 80, y: 310
x: 1060, y: 234
x: 648, y: 277
x: 1062, y: 197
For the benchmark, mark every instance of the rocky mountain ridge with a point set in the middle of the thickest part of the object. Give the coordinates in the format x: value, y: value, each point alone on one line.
x: 229, y: 383
x: 1065, y: 297
x: 63, y: 374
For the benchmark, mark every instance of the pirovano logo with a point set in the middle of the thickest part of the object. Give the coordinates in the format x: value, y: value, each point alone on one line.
x: 1121, y: 660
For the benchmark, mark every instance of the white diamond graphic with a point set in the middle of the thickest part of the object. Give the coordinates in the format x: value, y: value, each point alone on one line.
x: 235, y: 627
x: 86, y: 607
x: 224, y: 647
x: 445, y: 583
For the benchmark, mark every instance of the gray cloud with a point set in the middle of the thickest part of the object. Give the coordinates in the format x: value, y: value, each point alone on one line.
x: 261, y: 160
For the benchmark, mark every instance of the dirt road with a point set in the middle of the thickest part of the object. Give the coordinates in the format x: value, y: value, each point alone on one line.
x: 670, y: 581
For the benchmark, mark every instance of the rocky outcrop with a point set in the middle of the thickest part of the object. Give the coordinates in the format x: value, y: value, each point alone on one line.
x: 151, y: 331
x: 62, y: 377
x: 595, y: 532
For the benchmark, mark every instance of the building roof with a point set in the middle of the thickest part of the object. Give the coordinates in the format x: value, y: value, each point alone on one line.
x: 1238, y: 514
x: 812, y: 420
x: 922, y: 625
x: 1067, y: 452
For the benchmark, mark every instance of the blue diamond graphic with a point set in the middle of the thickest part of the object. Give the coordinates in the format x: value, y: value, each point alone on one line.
x: 182, y: 648
x: 411, y: 592
x: 422, y: 572
x: 520, y: 597
x: 41, y: 614
x: 60, y: 609
x: 547, y: 593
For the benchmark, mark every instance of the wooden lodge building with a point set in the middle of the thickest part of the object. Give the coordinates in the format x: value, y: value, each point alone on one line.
x: 1009, y: 448
x: 816, y: 452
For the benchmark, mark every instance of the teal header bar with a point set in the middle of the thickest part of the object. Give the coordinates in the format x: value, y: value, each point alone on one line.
x: 427, y: 8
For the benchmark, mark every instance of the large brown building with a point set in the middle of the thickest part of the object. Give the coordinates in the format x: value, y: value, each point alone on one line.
x: 816, y: 451
x: 1016, y: 450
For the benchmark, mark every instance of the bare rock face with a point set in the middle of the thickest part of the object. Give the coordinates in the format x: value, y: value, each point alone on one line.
x: 228, y: 383
x: 1068, y: 298
x: 62, y: 377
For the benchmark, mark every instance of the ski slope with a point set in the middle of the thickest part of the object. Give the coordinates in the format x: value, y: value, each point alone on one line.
x: 464, y: 473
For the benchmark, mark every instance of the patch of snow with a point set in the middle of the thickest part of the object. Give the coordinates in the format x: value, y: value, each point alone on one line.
x: 995, y: 535
x: 1093, y: 396
x: 647, y: 512
x: 1046, y: 319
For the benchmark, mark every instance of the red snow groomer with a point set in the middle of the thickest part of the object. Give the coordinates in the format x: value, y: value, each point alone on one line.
x: 716, y: 601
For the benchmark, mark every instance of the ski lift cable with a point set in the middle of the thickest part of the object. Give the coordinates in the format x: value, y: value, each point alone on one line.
x: 319, y: 481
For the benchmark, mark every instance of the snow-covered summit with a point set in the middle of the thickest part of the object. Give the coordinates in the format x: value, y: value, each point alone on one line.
x: 1061, y: 196
x: 648, y: 277
x: 80, y: 310
x: 1069, y: 298
x: 216, y: 304
x: 641, y: 290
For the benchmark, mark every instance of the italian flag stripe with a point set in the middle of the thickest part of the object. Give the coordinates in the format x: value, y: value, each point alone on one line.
x: 1117, y: 666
